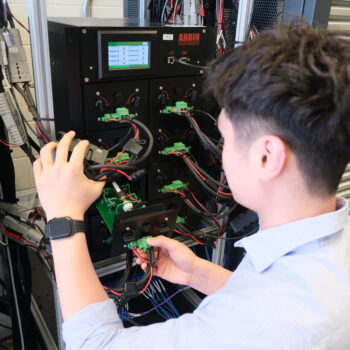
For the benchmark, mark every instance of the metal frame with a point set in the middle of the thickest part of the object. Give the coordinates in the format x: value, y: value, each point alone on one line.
x: 315, y: 12
x: 41, y: 61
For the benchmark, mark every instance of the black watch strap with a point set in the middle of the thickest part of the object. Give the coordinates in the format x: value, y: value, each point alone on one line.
x: 63, y: 227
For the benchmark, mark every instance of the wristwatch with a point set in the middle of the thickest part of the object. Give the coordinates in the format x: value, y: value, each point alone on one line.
x: 63, y: 227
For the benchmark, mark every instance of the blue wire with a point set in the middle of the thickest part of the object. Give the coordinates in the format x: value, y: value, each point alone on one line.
x: 165, y: 301
x: 207, y: 253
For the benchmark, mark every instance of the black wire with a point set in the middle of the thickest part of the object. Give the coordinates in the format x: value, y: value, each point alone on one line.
x: 204, y: 184
x: 205, y: 113
x: 207, y: 143
x: 10, y: 17
x: 190, y: 64
x: 121, y: 141
x: 131, y: 165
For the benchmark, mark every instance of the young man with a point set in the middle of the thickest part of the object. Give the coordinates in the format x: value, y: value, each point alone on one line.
x: 285, y: 119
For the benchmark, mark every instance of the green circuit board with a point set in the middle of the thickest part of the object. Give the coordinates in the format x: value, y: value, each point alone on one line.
x: 108, y: 204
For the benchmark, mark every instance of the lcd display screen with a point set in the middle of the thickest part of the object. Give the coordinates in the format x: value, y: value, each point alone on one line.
x: 128, y: 55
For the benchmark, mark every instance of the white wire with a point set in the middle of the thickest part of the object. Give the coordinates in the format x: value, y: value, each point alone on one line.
x: 163, y: 11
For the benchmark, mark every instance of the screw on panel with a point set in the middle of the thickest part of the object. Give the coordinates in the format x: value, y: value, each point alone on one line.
x: 160, y: 130
x: 136, y: 114
x: 204, y: 31
x: 98, y: 119
x: 84, y: 31
x: 158, y: 170
x: 137, y: 90
x: 166, y: 219
x: 193, y: 85
x: 127, y: 228
x: 201, y: 71
x: 160, y: 87
x: 91, y: 68
x: 86, y: 80
x: 98, y: 93
x: 99, y: 140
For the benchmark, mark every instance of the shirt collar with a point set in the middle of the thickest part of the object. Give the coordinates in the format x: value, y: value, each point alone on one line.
x: 266, y: 246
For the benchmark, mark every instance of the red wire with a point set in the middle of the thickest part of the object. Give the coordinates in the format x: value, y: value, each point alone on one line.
x: 139, y: 256
x: 207, y: 211
x: 21, y: 24
x: 136, y: 129
x: 194, y: 168
x: 225, y: 193
x: 195, y: 123
x: 132, y: 198
x: 111, y: 290
x: 178, y: 192
x: 118, y: 171
x: 188, y: 160
x: 7, y: 144
x: 149, y: 281
x: 116, y: 157
x: 189, y: 235
x: 39, y: 131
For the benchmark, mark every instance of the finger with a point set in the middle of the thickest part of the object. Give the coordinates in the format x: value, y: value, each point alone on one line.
x: 63, y: 148
x: 37, y: 168
x: 163, y: 242
x: 143, y: 266
x: 46, y: 155
x: 78, y: 154
x: 138, y: 261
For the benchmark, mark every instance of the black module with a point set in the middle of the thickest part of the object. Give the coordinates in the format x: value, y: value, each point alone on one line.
x: 98, y: 65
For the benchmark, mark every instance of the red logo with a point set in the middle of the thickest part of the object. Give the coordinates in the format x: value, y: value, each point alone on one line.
x: 189, y: 39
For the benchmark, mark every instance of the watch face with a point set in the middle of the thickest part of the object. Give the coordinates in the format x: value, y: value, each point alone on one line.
x: 61, y: 227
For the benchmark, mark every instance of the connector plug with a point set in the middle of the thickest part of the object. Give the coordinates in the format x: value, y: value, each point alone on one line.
x: 120, y: 112
x: 140, y: 243
x: 177, y: 147
x: 133, y: 147
x: 93, y: 154
x: 179, y: 108
x: 124, y: 156
x: 176, y: 185
x: 180, y: 220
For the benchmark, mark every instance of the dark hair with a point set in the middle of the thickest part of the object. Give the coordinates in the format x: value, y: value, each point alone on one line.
x: 293, y: 80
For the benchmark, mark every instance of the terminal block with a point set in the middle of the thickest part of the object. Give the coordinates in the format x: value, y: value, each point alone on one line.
x: 140, y: 243
x: 176, y: 185
x: 180, y: 220
x: 119, y: 113
x: 177, y: 147
x: 121, y: 158
x: 179, y: 108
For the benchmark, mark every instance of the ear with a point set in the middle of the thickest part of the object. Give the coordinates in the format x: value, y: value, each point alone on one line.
x: 271, y: 157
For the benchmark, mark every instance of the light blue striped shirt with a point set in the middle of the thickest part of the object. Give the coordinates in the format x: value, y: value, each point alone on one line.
x: 291, y: 291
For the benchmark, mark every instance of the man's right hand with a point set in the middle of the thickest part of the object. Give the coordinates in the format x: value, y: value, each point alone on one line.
x: 175, y: 262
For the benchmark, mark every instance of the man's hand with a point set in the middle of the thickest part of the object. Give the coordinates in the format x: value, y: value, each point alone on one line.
x: 63, y: 188
x: 175, y: 262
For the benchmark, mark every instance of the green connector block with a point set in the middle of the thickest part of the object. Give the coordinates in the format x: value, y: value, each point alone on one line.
x: 174, y: 186
x: 122, y: 157
x: 140, y: 243
x: 177, y: 147
x: 180, y: 220
x: 179, y: 106
x: 119, y: 113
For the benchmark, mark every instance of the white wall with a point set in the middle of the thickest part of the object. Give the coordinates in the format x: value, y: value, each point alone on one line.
x: 57, y: 8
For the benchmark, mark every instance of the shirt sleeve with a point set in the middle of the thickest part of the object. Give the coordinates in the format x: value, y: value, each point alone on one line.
x: 210, y: 326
